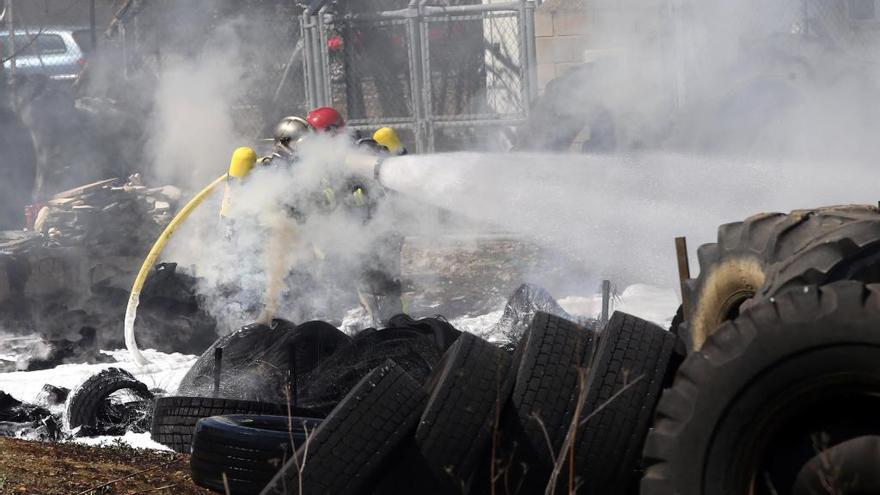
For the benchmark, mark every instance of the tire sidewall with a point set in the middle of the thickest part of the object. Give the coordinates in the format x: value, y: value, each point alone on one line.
x: 728, y: 285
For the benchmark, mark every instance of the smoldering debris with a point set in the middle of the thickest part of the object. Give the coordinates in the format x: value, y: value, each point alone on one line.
x: 98, y: 215
x: 72, y: 273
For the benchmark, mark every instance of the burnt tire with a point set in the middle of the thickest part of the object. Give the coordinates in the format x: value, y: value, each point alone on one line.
x: 622, y: 388
x: 468, y: 390
x: 742, y: 413
x: 175, y: 418
x: 771, y: 253
x: 347, y: 452
x: 553, y: 351
x: 246, y: 450
x: 85, y: 402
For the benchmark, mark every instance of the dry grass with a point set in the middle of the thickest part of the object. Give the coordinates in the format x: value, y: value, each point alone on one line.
x: 65, y: 469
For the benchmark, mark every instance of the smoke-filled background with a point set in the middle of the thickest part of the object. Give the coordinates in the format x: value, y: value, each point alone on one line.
x: 656, y: 119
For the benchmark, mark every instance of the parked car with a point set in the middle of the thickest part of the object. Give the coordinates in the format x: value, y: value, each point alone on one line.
x: 53, y: 52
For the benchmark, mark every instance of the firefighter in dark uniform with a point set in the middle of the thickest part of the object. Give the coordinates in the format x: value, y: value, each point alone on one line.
x: 379, y: 287
x: 288, y: 133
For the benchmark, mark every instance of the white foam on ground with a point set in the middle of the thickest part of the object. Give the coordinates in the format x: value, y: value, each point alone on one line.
x: 481, y: 325
x: 165, y: 371
x: 134, y: 440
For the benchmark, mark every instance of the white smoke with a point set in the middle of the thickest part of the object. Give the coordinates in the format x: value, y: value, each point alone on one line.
x: 283, y: 251
x: 193, y: 126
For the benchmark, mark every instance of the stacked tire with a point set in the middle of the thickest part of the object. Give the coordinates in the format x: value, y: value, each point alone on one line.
x: 241, y: 453
x: 175, y: 417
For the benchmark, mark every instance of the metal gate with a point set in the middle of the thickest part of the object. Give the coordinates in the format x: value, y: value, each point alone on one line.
x: 439, y: 75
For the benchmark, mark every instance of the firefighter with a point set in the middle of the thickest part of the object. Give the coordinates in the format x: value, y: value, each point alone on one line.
x: 379, y: 289
x: 326, y: 119
x: 289, y: 132
x: 387, y: 137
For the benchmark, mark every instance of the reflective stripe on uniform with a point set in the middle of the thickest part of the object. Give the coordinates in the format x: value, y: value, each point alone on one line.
x: 359, y: 198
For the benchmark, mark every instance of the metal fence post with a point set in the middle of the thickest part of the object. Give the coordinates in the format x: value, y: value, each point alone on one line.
x: 125, y: 49
x: 10, y: 26
x: 606, y: 301
x: 308, y: 59
x: 531, y: 57
x: 324, y: 58
x: 425, y: 120
x: 93, y: 34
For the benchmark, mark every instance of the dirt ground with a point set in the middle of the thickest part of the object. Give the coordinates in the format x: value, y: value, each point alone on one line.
x: 35, y: 468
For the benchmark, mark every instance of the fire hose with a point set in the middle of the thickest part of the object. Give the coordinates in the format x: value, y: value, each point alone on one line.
x: 242, y: 162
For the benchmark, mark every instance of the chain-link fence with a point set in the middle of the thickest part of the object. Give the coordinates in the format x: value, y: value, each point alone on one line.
x: 443, y: 76
x: 258, y: 40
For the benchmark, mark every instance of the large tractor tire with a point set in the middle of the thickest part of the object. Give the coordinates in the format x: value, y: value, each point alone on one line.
x: 744, y: 414
x: 771, y: 253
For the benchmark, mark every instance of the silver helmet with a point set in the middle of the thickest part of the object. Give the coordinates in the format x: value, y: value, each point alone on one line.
x: 289, y: 132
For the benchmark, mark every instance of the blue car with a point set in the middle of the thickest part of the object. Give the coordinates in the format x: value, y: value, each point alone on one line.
x: 52, y: 52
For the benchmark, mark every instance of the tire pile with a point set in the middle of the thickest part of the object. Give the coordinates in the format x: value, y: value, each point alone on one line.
x: 768, y: 384
x: 568, y: 408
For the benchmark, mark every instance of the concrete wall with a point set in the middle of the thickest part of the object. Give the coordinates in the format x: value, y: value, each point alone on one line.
x: 571, y: 32
x: 562, y: 34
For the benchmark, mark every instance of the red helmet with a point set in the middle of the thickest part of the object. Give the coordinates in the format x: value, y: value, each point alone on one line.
x: 325, y: 119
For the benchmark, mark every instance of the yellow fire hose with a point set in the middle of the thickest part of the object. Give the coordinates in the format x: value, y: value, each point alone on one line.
x: 243, y: 160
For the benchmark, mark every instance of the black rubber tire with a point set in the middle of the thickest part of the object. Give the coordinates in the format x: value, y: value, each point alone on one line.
x: 802, y: 362
x: 247, y: 449
x: 175, y: 418
x: 615, y: 416
x: 346, y: 453
x: 770, y: 253
x: 469, y: 387
x: 85, y: 401
x: 830, y: 244
x: 731, y: 271
x: 256, y: 359
x: 553, y: 351
x: 848, y: 468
